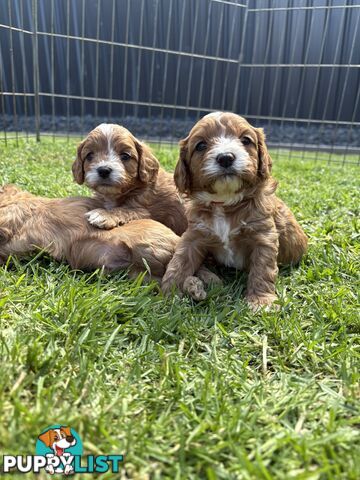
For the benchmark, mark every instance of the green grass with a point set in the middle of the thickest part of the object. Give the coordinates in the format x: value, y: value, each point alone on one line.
x: 185, y: 390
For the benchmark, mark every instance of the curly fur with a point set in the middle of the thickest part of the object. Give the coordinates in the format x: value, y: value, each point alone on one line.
x: 136, y: 187
x: 234, y: 214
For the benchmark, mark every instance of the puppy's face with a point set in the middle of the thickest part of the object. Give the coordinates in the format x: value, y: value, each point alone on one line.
x: 58, y: 439
x: 112, y: 161
x: 222, y: 155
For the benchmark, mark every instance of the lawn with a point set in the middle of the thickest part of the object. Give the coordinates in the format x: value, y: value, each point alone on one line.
x: 185, y: 390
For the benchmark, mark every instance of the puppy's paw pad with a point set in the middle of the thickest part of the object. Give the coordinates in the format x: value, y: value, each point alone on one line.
x: 195, y: 288
x: 100, y: 219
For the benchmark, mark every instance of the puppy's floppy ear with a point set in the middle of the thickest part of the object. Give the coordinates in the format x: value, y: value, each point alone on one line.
x: 45, y: 438
x: 182, y: 173
x: 78, y: 165
x: 265, y: 162
x: 148, y: 164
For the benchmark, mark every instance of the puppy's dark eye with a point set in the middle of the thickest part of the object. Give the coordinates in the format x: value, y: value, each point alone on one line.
x: 246, y: 141
x: 89, y: 157
x: 125, y: 156
x: 201, y: 146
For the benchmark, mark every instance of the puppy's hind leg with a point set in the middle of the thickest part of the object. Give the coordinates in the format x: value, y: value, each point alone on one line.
x: 292, y: 238
x: 144, y: 259
x: 90, y: 254
x: 292, y: 245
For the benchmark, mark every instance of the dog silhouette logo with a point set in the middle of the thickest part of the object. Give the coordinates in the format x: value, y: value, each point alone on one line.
x: 59, y: 444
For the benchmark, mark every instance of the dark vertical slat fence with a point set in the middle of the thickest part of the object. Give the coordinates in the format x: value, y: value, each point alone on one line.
x: 292, y: 66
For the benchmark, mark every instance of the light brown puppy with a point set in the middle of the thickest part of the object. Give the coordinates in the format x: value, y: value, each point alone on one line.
x: 127, y: 179
x: 59, y: 227
x: 225, y: 169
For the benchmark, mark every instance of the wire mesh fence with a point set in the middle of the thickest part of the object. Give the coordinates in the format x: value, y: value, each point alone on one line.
x: 156, y: 66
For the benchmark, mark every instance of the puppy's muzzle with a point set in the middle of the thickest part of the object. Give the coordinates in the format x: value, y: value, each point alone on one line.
x: 70, y: 438
x: 104, y: 172
x: 225, y: 160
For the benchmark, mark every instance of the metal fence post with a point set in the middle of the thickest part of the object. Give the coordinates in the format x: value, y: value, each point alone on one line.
x: 36, y: 68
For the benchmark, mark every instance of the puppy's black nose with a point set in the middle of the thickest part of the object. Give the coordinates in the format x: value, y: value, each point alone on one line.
x: 104, y: 172
x: 225, y: 159
x: 70, y: 438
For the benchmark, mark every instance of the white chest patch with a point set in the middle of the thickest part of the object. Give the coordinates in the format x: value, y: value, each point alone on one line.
x: 221, y: 225
x: 222, y: 229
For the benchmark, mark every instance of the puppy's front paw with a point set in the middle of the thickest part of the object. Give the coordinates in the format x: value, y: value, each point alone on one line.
x: 265, y: 302
x: 101, y: 218
x: 194, y: 287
